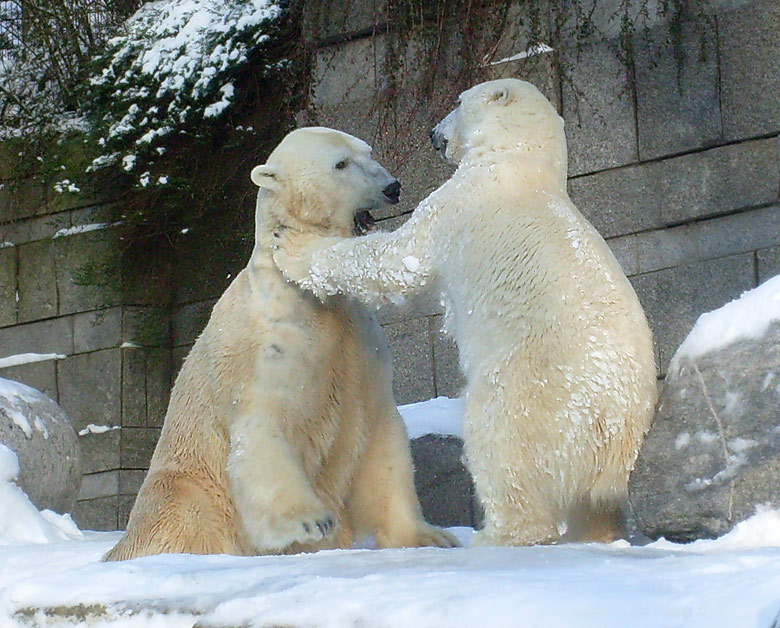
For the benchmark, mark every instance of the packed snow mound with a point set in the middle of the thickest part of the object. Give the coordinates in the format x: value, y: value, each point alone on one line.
x: 442, y: 416
x: 20, y: 521
x: 744, y: 318
x: 9, y: 465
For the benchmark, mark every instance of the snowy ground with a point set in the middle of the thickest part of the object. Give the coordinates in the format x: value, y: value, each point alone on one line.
x: 733, y: 582
x: 50, y: 575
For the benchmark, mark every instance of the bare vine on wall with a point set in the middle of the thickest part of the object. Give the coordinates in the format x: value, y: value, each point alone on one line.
x: 431, y: 50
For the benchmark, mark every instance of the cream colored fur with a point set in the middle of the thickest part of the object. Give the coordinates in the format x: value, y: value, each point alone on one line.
x: 554, y: 344
x: 282, y: 433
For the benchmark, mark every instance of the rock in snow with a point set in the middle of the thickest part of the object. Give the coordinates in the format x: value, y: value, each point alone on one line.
x: 40, y: 434
x: 713, y: 453
x: 20, y: 521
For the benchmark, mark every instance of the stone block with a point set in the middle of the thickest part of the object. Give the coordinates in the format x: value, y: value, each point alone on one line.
x: 146, y: 326
x: 37, y: 281
x: 443, y: 484
x: 39, y: 375
x: 158, y: 385
x: 350, y: 71
x: 624, y: 248
x: 147, y: 272
x: 618, y: 202
x: 333, y: 18
x: 24, y: 198
x: 125, y: 506
x: 189, y: 321
x: 604, y: 17
x: 134, y: 387
x: 410, y: 346
x: 35, y: 229
x: 768, y: 263
x: 138, y: 445
x: 130, y: 481
x: 178, y: 355
x: 450, y: 381
x: 95, y: 485
x: 598, y: 109
x: 50, y: 336
x: 101, y: 212
x: 90, y: 388
x: 8, y: 286
x: 709, y: 239
x: 207, y: 266
x: 666, y: 248
x: 738, y: 233
x: 718, y: 180
x: 88, y: 271
x: 99, y: 329
x: 674, y: 298
x: 679, y: 189
x: 97, y: 514
x: 749, y: 58
x: 677, y: 91
x: 100, y: 452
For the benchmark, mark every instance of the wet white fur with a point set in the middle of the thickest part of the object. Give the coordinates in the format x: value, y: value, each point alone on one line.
x: 554, y: 344
x: 282, y: 418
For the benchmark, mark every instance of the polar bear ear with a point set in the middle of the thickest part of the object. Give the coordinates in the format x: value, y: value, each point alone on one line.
x: 500, y: 96
x: 264, y: 176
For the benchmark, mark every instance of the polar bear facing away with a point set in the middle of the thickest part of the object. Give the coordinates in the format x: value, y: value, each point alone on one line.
x: 282, y: 433
x: 554, y: 344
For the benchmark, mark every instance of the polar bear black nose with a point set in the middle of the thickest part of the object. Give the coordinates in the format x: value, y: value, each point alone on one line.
x: 438, y: 140
x: 393, y: 191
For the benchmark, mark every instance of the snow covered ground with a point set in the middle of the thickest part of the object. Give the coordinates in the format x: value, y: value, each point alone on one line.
x: 50, y: 575
x: 733, y: 582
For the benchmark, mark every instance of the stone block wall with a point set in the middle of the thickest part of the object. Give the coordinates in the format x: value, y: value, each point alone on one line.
x: 674, y: 159
x: 80, y: 335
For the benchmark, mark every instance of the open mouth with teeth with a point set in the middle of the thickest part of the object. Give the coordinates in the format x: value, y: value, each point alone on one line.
x: 364, y: 223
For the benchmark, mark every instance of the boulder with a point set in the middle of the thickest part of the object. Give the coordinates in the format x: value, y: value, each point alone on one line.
x: 38, y: 431
x: 713, y: 452
x: 443, y: 484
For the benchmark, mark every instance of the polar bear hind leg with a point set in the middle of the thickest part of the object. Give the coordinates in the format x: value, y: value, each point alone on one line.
x: 383, y: 500
x: 180, y: 515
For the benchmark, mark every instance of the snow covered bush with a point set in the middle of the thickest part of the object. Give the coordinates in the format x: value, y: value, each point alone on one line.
x: 45, y: 49
x: 172, y: 68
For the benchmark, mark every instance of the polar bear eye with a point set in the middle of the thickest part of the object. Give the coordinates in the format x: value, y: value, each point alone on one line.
x: 341, y: 165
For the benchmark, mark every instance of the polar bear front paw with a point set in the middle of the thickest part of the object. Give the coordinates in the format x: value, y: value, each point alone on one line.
x: 303, y: 526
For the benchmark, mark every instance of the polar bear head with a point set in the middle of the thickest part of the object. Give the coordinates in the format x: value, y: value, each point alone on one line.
x: 321, y: 177
x: 507, y: 114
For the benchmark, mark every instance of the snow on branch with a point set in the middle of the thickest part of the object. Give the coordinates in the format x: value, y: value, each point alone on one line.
x: 172, y: 66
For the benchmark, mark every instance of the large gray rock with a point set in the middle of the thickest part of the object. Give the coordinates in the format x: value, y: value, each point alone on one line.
x: 713, y: 453
x: 443, y: 484
x: 40, y: 434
